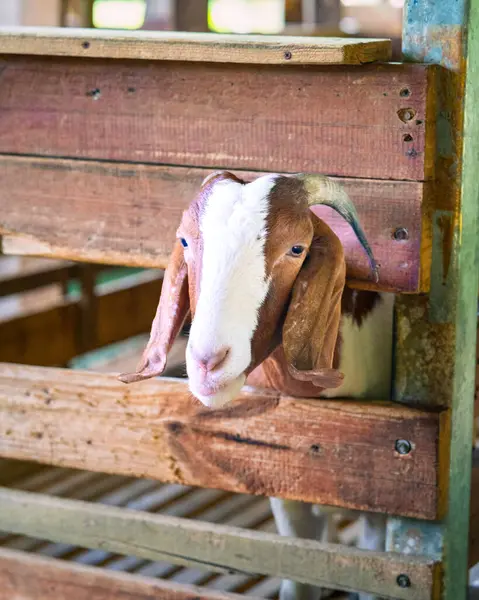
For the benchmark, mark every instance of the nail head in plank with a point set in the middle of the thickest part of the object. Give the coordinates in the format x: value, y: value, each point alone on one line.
x: 137, y: 209
x: 180, y: 46
x: 216, y: 547
x: 340, y: 120
x: 345, y: 457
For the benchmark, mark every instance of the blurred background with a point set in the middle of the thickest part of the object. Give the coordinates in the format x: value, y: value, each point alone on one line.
x: 364, y: 18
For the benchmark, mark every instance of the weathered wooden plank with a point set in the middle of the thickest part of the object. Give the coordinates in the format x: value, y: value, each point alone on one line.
x: 180, y: 46
x: 128, y: 214
x: 50, y: 337
x: 216, y: 547
x: 345, y: 457
x: 374, y: 122
x: 29, y: 577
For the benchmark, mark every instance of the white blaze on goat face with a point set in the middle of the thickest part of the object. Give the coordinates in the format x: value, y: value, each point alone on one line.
x: 232, y: 287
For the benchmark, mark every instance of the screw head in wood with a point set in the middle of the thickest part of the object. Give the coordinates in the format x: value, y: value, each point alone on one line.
x: 403, y: 447
x: 401, y: 234
x: 403, y: 581
x: 287, y: 55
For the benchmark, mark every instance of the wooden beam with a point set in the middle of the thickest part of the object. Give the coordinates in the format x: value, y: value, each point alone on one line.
x: 138, y: 209
x: 374, y: 122
x: 179, y: 46
x: 345, y: 457
x: 50, y: 337
x: 215, y: 547
x: 26, y: 576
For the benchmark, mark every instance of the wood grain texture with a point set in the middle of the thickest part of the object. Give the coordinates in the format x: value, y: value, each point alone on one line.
x: 128, y: 215
x: 340, y: 121
x: 28, y: 577
x: 203, y: 47
x: 50, y: 337
x: 345, y: 457
x: 215, y: 547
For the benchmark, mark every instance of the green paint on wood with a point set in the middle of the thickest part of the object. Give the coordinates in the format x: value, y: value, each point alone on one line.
x: 435, y: 31
x: 457, y: 521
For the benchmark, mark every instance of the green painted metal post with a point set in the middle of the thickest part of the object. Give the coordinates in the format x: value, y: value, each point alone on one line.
x: 438, y: 332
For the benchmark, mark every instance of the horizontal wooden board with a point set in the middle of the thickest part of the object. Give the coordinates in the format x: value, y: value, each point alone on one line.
x: 375, y: 122
x: 345, y: 456
x: 216, y: 547
x: 28, y: 577
x: 181, y: 46
x: 51, y: 336
x: 128, y: 214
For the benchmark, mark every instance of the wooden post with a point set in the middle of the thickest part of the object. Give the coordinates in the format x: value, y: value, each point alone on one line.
x: 191, y: 15
x: 77, y: 13
x: 436, y: 335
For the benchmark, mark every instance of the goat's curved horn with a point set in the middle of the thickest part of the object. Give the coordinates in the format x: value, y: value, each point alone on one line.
x: 323, y: 190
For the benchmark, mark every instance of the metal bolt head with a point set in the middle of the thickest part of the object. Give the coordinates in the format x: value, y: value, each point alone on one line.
x: 403, y: 447
x: 401, y: 234
x: 403, y: 581
x: 287, y: 55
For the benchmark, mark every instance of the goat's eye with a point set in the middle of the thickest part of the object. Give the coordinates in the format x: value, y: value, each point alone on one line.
x: 184, y: 243
x: 296, y: 251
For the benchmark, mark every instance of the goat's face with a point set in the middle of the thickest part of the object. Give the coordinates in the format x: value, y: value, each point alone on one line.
x: 236, y: 266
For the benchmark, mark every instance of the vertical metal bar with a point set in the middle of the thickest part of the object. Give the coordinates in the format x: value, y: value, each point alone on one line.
x: 435, y: 353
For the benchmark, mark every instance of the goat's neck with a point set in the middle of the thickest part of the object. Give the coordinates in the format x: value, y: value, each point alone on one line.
x: 363, y: 352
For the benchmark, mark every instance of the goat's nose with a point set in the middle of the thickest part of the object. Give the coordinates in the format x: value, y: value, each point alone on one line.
x: 210, y: 361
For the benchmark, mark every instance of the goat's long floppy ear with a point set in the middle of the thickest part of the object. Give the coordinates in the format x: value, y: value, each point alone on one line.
x: 311, y: 326
x: 170, y: 315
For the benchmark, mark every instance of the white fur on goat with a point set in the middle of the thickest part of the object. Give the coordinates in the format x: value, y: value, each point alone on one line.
x: 233, y: 283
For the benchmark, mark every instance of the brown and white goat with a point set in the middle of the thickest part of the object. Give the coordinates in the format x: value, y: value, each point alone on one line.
x: 264, y: 280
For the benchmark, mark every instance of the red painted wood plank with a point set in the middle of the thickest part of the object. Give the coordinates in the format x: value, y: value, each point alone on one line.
x: 368, y: 121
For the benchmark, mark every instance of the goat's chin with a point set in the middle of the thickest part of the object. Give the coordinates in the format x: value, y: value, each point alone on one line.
x: 223, y: 396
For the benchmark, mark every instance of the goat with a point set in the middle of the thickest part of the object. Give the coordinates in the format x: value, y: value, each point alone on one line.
x: 264, y: 279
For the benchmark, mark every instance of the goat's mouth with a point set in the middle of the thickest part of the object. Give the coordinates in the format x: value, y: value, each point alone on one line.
x: 216, y: 395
